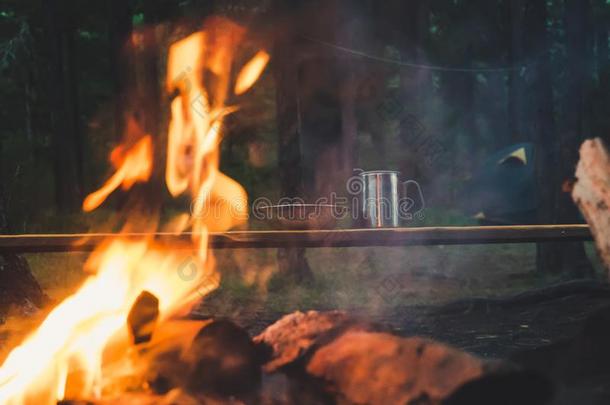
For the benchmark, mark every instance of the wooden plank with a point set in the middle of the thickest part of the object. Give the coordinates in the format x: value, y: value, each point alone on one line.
x: 315, y: 238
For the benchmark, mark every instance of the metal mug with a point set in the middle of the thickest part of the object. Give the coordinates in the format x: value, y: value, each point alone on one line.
x: 386, y: 200
x: 380, y: 202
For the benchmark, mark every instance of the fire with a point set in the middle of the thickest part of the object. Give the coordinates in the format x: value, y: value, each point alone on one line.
x: 250, y: 73
x: 66, y: 356
x: 134, y: 165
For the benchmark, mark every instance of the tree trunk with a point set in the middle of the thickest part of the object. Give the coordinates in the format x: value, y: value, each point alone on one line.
x: 67, y: 140
x: 516, y: 92
x: 543, y: 134
x: 459, y: 92
x: 414, y: 18
x: 603, y: 62
x: 557, y: 155
x: 288, y: 120
x: 601, y: 126
x: 291, y: 261
x: 577, y: 12
x: 121, y: 59
x: 18, y: 287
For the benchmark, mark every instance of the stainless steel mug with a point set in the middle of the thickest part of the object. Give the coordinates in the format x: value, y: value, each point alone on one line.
x: 380, y: 202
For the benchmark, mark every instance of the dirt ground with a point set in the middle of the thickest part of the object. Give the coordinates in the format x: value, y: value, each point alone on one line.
x: 487, y: 300
x: 561, y: 331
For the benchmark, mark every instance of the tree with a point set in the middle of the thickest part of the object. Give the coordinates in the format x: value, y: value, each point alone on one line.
x: 601, y: 120
x: 459, y: 88
x: 285, y: 69
x: 577, y: 18
x: 516, y: 94
x: 119, y: 29
x: 65, y: 121
x: 557, y: 153
x: 543, y: 132
x: 17, y: 283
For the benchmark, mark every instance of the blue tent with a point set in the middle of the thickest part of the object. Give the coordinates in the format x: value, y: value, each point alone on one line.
x: 503, y: 189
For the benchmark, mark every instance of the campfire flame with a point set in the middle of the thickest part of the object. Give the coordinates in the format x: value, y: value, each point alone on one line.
x: 133, y: 165
x: 65, y: 356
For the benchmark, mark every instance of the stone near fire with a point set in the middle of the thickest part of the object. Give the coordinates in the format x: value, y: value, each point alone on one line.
x: 294, y: 334
x: 356, y: 363
x: 223, y: 360
x: 164, y: 356
x: 378, y: 368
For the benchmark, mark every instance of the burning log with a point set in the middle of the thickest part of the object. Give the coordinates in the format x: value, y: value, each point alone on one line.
x: 199, y: 357
x: 143, y: 317
x: 164, y: 356
x: 591, y: 192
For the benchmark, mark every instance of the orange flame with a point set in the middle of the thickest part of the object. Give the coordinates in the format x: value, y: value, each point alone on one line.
x: 251, y: 72
x: 74, y: 338
x: 134, y: 165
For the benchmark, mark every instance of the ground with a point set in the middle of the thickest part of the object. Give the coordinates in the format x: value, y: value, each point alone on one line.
x: 487, y: 300
x: 380, y: 283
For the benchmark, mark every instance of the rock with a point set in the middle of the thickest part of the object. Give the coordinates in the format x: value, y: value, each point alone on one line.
x: 378, y: 368
x: 356, y: 363
x: 293, y: 335
x: 281, y: 389
x: 166, y: 371
x: 223, y: 360
x: 164, y: 356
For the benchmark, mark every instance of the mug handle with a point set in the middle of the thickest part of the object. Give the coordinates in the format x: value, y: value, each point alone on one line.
x: 411, y: 202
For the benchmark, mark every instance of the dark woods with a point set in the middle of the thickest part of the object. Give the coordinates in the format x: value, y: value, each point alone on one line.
x: 428, y: 87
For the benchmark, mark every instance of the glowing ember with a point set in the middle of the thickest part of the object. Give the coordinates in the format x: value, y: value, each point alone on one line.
x: 67, y: 355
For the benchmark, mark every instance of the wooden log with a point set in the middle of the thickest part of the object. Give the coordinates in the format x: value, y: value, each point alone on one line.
x: 314, y: 238
x: 591, y: 193
x: 356, y: 362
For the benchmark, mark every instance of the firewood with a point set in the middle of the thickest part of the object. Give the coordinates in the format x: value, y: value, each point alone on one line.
x: 591, y: 192
x: 143, y: 317
x: 223, y: 360
x: 164, y: 355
